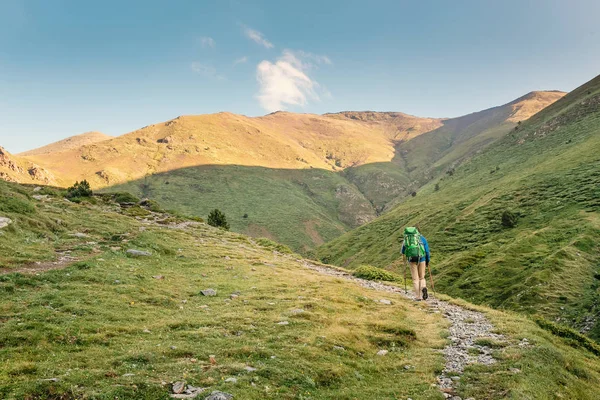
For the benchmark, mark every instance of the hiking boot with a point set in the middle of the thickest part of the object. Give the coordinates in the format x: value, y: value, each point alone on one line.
x: 425, y: 295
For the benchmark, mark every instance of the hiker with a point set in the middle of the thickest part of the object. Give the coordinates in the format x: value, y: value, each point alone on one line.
x: 415, y: 251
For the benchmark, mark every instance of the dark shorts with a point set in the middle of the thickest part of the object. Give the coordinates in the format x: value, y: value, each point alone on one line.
x: 416, y: 259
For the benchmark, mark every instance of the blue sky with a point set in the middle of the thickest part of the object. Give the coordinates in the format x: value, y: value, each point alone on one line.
x: 67, y: 67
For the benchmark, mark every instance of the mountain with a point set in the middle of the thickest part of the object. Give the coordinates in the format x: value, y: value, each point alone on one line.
x: 431, y: 153
x: 517, y: 226
x: 103, y: 301
x: 17, y: 169
x: 301, y: 179
x: 69, y: 143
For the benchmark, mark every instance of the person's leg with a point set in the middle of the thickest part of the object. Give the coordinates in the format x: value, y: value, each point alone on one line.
x: 414, y: 273
x: 422, y: 280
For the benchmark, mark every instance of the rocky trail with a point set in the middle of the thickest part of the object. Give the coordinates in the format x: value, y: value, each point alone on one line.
x: 466, y: 328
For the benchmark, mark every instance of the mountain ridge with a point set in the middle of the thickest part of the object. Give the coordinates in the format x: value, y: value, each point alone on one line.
x: 68, y: 143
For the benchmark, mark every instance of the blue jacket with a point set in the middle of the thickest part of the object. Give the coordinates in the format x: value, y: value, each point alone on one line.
x: 426, y: 246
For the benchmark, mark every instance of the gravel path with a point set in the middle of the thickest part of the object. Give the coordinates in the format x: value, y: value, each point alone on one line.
x: 466, y: 327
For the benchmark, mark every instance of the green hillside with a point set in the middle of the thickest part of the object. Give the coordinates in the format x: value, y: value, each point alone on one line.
x: 302, y: 208
x: 84, y: 319
x: 547, y: 173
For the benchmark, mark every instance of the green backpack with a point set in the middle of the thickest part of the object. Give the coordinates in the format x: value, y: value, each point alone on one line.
x: 413, y: 245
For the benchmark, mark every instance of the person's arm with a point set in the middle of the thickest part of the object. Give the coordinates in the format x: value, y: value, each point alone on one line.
x: 427, y: 253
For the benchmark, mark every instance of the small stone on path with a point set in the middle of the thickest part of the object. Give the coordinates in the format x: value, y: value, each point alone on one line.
x: 283, y: 323
x: 208, y: 292
x: 382, y: 352
x: 159, y: 277
x: 385, y: 301
x: 178, y: 387
x: 231, y: 380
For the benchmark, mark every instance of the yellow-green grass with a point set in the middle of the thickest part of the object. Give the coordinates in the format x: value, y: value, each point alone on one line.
x: 112, y: 325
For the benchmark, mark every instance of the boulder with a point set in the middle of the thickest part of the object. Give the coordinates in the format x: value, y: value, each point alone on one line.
x: 208, y: 292
x: 4, y: 222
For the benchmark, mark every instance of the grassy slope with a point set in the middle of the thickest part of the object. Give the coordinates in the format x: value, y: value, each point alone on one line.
x: 548, y: 173
x: 301, y: 208
x: 85, y: 324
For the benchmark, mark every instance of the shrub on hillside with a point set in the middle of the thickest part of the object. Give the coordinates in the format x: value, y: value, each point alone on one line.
x: 125, y: 197
x: 271, y: 245
x: 437, y: 187
x: 217, y: 219
x: 414, y: 194
x: 79, y: 189
x: 375, y: 274
x: 574, y: 338
x: 509, y: 219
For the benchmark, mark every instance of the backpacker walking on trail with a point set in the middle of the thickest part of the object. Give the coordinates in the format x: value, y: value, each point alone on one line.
x: 415, y: 249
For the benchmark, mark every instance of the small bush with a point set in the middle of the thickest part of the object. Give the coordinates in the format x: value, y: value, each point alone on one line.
x: 271, y: 245
x: 414, y: 194
x: 79, y: 190
x: 137, y: 211
x: 437, y: 187
x: 509, y: 219
x: 124, y: 197
x: 151, y: 205
x: 217, y: 219
x: 375, y: 274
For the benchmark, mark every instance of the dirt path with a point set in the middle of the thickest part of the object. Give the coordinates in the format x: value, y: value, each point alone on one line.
x: 466, y: 328
x: 63, y: 261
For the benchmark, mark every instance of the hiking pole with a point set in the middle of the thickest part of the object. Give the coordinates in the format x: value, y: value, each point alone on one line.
x: 405, y: 264
x: 431, y: 279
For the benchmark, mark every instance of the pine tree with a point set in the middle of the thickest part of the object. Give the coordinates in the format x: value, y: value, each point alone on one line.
x: 217, y: 219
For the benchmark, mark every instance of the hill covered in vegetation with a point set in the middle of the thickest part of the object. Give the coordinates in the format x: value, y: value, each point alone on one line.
x: 517, y: 227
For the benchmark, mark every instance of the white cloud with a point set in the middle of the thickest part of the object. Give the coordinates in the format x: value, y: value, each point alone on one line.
x: 286, y: 82
x: 257, y: 37
x: 207, y: 41
x: 318, y: 59
x: 207, y: 71
x: 241, y: 60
